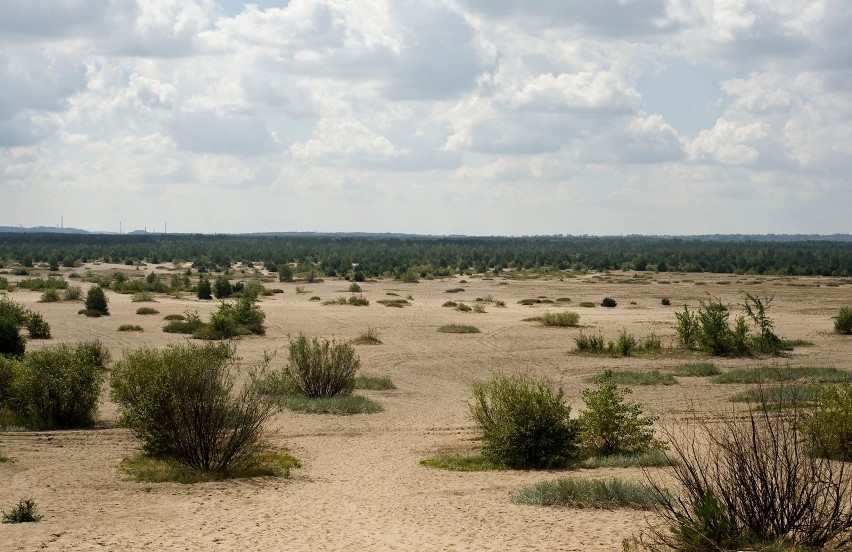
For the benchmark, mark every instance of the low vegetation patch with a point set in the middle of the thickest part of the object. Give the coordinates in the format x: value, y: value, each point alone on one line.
x: 450, y: 304
x: 649, y: 458
x: 843, y: 321
x: 187, y: 323
x: 633, y: 377
x: 609, y: 302
x: 130, y: 328
x: 461, y: 307
x: 342, y: 405
x: 161, y: 470
x: 625, y: 345
x: 370, y: 336
x: 587, y: 304
x: 696, y: 369
x: 455, y: 290
x: 23, y: 512
x: 565, y: 319
x: 147, y: 310
x: 458, y: 328
x: 171, y: 316
x: 461, y: 462
x: 589, y: 493
x: 354, y: 300
x: 766, y: 374
x: 396, y: 303
x: 375, y: 383
x: 796, y: 394
x: 143, y: 297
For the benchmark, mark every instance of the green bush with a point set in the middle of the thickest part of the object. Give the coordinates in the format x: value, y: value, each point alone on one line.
x: 147, y: 310
x: 608, y: 302
x: 358, y: 301
x: 285, y: 273
x: 524, y: 422
x: 590, y: 343
x: 354, y: 288
x: 23, y: 512
x: 59, y: 386
x: 843, y: 321
x: 187, y: 323
x: 665, y: 301
x: 96, y: 301
x: 561, y: 319
x: 180, y: 402
x: 626, y: 343
x: 7, y: 376
x: 341, y: 405
x: 696, y: 369
x: 72, y: 293
x: 830, y: 426
x: 610, y: 424
x: 37, y: 326
x: 50, y: 295
x: 458, y: 328
x: 204, y: 290
x: 11, y: 342
x: 321, y: 368
x: 130, y: 328
x: 233, y: 319
x: 222, y: 288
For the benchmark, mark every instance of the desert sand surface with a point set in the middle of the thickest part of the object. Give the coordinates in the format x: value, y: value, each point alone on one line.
x: 361, y: 486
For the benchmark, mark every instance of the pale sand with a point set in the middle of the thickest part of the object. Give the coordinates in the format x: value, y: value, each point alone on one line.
x: 361, y: 487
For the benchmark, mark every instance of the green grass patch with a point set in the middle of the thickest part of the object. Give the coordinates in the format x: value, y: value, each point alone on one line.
x: 651, y: 458
x: 183, y: 326
x: 159, y: 470
x: 589, y: 493
x: 130, y: 328
x: 461, y: 463
x: 171, y: 317
x: 588, y: 304
x: 764, y: 374
x: 147, y: 310
x: 696, y: 369
x: 458, y: 328
x: 632, y: 377
x: 343, y: 405
x: 792, y: 395
x: 375, y: 383
x: 455, y: 290
x: 395, y: 303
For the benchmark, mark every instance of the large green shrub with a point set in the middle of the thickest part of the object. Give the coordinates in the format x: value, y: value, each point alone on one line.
x: 180, y: 401
x: 610, y: 424
x: 232, y: 319
x: 708, y: 329
x: 59, y: 386
x: 204, y: 290
x: 37, y: 326
x: 843, y: 321
x: 524, y: 422
x: 222, y: 288
x: 11, y: 342
x: 96, y: 301
x: 321, y: 368
x: 830, y: 425
x: 285, y: 273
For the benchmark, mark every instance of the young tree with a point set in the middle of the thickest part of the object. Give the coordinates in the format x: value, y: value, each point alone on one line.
x: 204, y: 288
x: 96, y: 300
x: 285, y: 273
x: 222, y: 287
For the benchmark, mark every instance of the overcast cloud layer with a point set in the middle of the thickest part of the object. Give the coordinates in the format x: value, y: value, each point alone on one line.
x: 465, y: 116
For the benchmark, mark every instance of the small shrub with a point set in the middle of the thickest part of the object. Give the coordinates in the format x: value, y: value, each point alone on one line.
x: 90, y: 313
x: 180, y: 402
x: 626, y: 343
x: 589, y: 493
x: 204, y: 291
x: 375, y: 383
x: 610, y: 424
x: 59, y: 386
x: 665, y: 301
x: 50, y: 295
x: 96, y: 301
x: 321, y: 368
x: 479, y: 309
x: 358, y: 301
x: 130, y: 328
x: 315, y: 298
x: 370, y: 336
x: 696, y: 369
x: 461, y: 307
x: 587, y: 304
x: 843, y: 321
x: 450, y: 304
x: 560, y: 319
x: 590, y: 343
x: 23, y: 512
x: 148, y: 310
x: 143, y: 297
x: 188, y: 323
x: 524, y: 422
x: 354, y: 288
x: 608, y: 302
x: 72, y: 293
x: 395, y: 303
x: 458, y: 328
x: 37, y: 326
x: 829, y: 429
x: 222, y: 288
x: 455, y: 290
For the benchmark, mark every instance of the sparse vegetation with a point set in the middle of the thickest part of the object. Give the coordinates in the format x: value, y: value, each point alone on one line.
x: 829, y: 428
x: 143, y: 297
x: 458, y: 328
x: 396, y: 303
x: 843, y: 321
x: 147, y: 310
x: 461, y: 462
x: 455, y: 290
x: 587, y: 304
x: 50, y: 295
x: 589, y: 493
x: 632, y: 377
x: 370, y: 336
x: 341, y: 405
x: 321, y: 368
x: 560, y: 319
x: 696, y: 369
x: 23, y: 512
x: 609, y: 302
x: 375, y: 383
x: 354, y: 288
x: 187, y: 323
x: 766, y: 374
x: 159, y: 470
x: 130, y: 328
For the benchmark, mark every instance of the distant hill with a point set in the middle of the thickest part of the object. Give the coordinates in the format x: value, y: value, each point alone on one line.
x: 42, y: 230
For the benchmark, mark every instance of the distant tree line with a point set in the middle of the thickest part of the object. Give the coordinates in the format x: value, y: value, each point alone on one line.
x: 379, y: 255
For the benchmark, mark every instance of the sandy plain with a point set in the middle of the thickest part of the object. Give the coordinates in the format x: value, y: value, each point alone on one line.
x: 361, y: 486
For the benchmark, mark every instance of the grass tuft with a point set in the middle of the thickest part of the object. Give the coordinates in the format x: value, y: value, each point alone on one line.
x: 342, y: 405
x: 461, y: 462
x: 565, y: 319
x: 764, y: 374
x: 651, y: 458
x: 631, y: 377
x: 795, y: 395
x: 147, y: 310
x: 589, y: 493
x: 696, y: 369
x: 375, y: 383
x: 130, y: 328
x: 160, y: 470
x: 370, y: 336
x: 458, y: 328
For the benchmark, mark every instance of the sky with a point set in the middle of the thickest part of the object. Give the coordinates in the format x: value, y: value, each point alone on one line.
x: 478, y: 117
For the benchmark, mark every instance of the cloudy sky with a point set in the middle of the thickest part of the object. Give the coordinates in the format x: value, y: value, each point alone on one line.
x: 445, y: 116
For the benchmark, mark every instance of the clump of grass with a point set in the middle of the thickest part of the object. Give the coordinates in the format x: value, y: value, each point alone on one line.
x: 130, y: 328
x: 632, y: 377
x: 23, y: 512
x: 370, y: 336
x: 458, y: 328
x: 340, y: 404
x: 589, y: 493
x: 159, y: 470
x: 649, y: 458
x: 531, y: 319
x: 455, y: 290
x: 563, y: 299
x: 587, y: 304
x: 461, y: 462
x: 190, y: 324
x: 590, y: 343
x: 354, y: 288
x: 50, y: 295
x: 374, y: 383
x: 795, y: 395
x: 315, y: 298
x: 395, y: 303
x: 358, y: 301
x: 147, y: 310
x: 764, y: 374
x: 143, y: 297
x: 72, y: 293
x: 450, y: 304
x: 479, y: 308
x: 171, y: 317
x: 565, y: 319
x: 461, y: 307
x: 696, y: 369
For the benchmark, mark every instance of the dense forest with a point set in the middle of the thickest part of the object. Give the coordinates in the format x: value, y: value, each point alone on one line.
x: 376, y: 255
